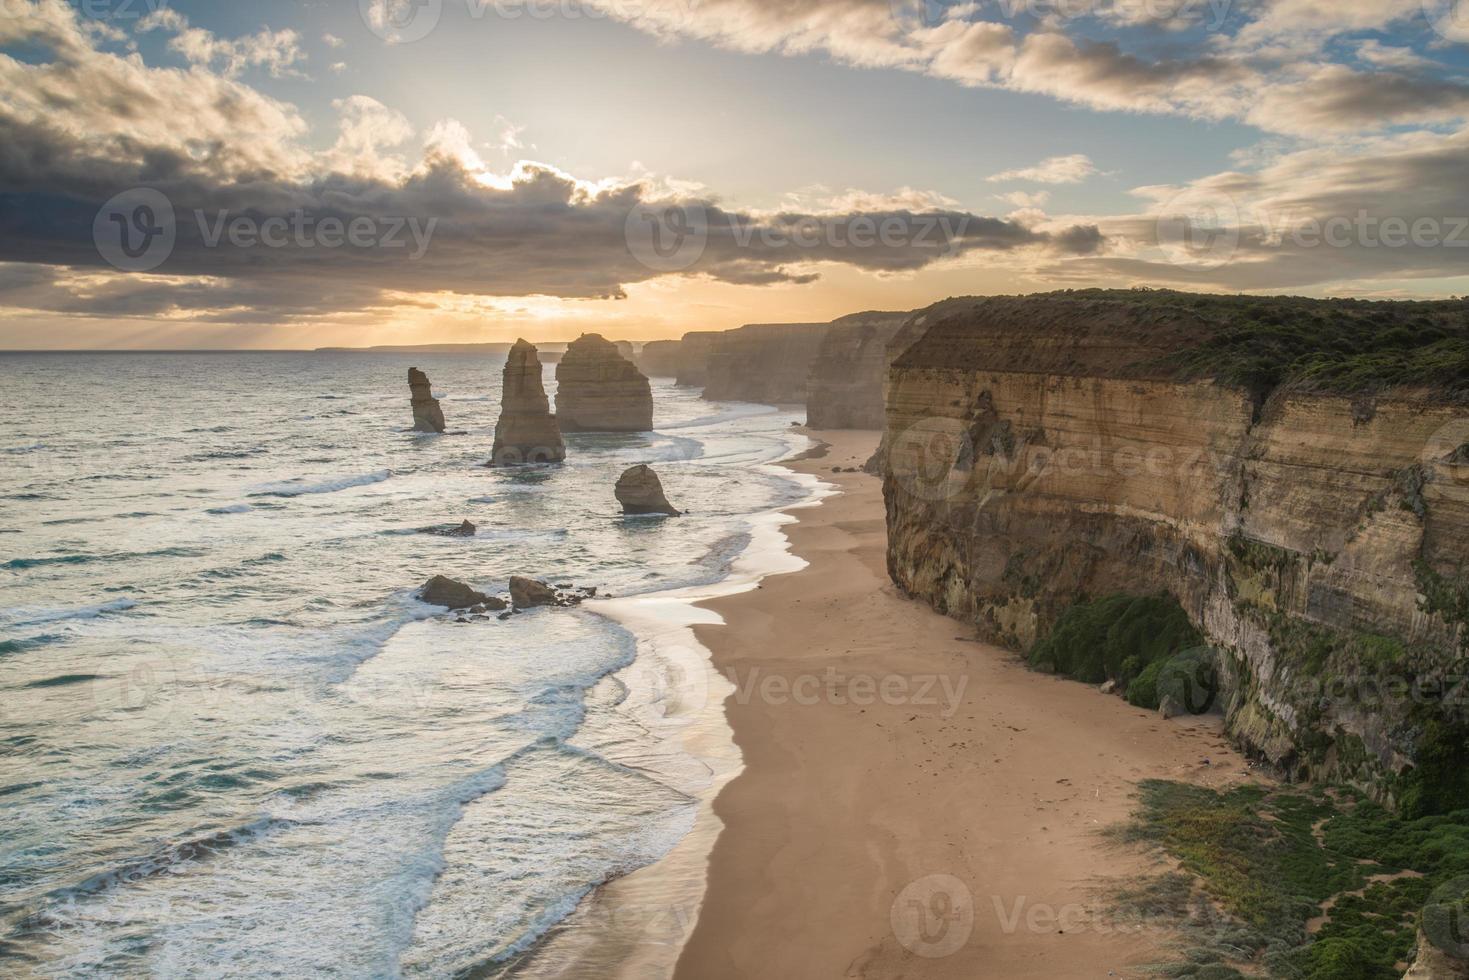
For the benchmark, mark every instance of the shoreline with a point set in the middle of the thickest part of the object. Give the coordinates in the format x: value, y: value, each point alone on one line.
x: 911, y: 801
x: 634, y: 926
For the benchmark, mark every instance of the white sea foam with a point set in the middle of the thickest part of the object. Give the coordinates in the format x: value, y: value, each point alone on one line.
x: 35, y: 616
x: 297, y: 487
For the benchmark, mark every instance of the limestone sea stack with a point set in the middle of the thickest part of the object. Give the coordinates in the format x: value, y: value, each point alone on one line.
x: 639, y: 491
x: 427, y: 416
x: 600, y: 390
x: 527, y: 431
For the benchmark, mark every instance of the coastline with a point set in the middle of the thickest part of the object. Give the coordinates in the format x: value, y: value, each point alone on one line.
x: 911, y: 802
x: 634, y: 926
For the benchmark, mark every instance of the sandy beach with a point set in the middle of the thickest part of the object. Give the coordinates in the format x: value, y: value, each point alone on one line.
x: 914, y: 803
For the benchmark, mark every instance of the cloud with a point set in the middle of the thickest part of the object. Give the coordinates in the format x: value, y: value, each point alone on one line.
x: 1026, y: 199
x: 1398, y: 209
x: 278, y: 52
x: 1072, y: 169
x: 533, y: 231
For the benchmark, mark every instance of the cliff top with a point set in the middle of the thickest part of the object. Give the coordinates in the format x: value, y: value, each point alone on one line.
x: 1260, y: 343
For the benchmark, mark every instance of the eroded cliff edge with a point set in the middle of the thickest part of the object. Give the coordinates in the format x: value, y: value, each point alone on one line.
x: 1294, y: 472
x: 763, y: 362
x: 845, y: 387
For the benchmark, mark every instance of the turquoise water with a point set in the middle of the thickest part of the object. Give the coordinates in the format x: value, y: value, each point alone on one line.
x: 235, y: 744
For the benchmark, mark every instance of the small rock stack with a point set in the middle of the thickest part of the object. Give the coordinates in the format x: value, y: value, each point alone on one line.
x: 527, y: 431
x: 639, y: 491
x: 427, y: 416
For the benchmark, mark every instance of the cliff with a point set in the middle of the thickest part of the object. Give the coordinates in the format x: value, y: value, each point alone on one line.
x: 1291, y: 471
x: 764, y: 362
x: 693, y: 358
x: 660, y: 358
x: 427, y: 415
x: 527, y: 431
x: 845, y: 387
x: 600, y: 390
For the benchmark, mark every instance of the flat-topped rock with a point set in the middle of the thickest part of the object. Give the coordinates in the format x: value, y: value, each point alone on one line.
x: 527, y: 431
x: 600, y: 390
x: 427, y: 415
x: 639, y: 491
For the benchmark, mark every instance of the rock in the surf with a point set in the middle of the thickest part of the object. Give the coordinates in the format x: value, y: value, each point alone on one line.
x: 427, y: 415
x: 527, y: 593
x: 600, y: 390
x: 443, y: 591
x: 527, y: 431
x: 639, y: 491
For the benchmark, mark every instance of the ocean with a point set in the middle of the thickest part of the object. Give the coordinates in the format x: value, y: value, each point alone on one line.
x: 235, y: 744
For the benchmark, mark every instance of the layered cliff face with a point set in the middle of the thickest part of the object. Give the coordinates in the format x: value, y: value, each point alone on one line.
x: 845, y: 388
x: 693, y: 358
x: 527, y: 431
x: 600, y: 390
x: 660, y: 358
x: 1049, y: 449
x: 764, y: 362
x: 427, y: 415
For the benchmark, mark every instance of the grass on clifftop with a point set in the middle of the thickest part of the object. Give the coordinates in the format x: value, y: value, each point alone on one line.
x: 1258, y: 865
x: 1335, y: 345
x: 1122, y: 638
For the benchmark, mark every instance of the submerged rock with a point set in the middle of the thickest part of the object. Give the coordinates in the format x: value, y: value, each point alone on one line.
x: 600, y: 390
x: 443, y: 591
x: 527, y: 431
x: 639, y: 491
x: 465, y: 530
x: 427, y: 416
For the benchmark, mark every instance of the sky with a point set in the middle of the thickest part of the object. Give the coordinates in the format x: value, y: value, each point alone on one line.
x: 200, y: 174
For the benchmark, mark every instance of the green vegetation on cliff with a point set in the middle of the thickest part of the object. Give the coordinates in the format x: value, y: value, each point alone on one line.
x: 1263, y: 864
x: 1260, y: 343
x: 1122, y: 638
